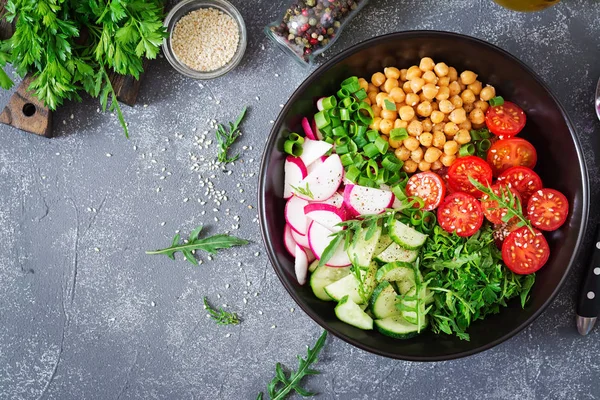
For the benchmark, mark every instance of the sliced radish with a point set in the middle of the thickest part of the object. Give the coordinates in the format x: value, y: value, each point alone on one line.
x: 320, y: 104
x: 288, y: 240
x: 319, y: 238
x: 313, y: 150
x: 362, y: 200
x: 324, y: 181
x: 295, y: 170
x: 316, y: 131
x: 327, y: 215
x: 301, y: 265
x: 309, y: 254
x: 301, y: 240
x: 310, y: 168
x: 307, y: 129
x: 294, y: 214
x: 397, y: 204
x: 336, y: 200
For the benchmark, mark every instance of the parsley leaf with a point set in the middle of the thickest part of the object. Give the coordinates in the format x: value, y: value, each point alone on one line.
x: 227, y: 138
x: 221, y: 316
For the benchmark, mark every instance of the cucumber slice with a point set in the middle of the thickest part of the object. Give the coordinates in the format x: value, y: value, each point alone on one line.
x: 313, y: 265
x: 323, y: 276
x: 349, y: 312
x: 395, y: 252
x: 406, y: 236
x: 348, y: 286
x: 384, y: 242
x: 383, y: 301
x: 398, y: 327
x: 361, y: 250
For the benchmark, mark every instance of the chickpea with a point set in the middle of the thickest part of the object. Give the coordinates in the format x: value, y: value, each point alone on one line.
x: 468, y: 77
x: 378, y: 79
x: 443, y: 93
x: 391, y: 72
x: 424, y: 166
x: 403, y: 74
x: 441, y: 69
x: 385, y: 126
x: 477, y: 116
x: 406, y: 87
x: 415, y: 128
x: 452, y: 74
x: 426, y: 64
x: 372, y: 88
x: 482, y: 105
x: 469, y: 107
x: 375, y: 124
x: 413, y: 72
x: 406, y: 113
x: 438, y: 139
x: 465, y: 125
x: 430, y: 77
x: 450, y: 128
x: 487, y: 93
x: 432, y: 154
x: 385, y: 137
x: 416, y: 84
x: 389, y: 115
x: 417, y: 155
x: 427, y: 125
x: 376, y: 110
x: 363, y: 83
x: 372, y: 96
x: 411, y: 143
x: 463, y: 87
x: 402, y: 153
x: 446, y: 106
x: 410, y: 166
x: 436, y: 165
x: 437, y: 117
x: 398, y: 123
x: 389, y: 84
x: 424, y: 109
x: 435, y: 106
x: 456, y: 101
x: 395, y: 144
x: 468, y: 96
x: 397, y: 94
x: 458, y: 116
x: 444, y: 81
x: 422, y: 97
x: 454, y: 87
x: 475, y: 87
x: 430, y: 91
x: 462, y: 137
x: 425, y: 139
x: 412, y: 99
x: 447, y: 160
x: 439, y: 127
x: 451, y: 147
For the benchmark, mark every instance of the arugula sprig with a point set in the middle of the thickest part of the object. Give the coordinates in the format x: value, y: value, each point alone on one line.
x: 221, y: 316
x: 226, y: 138
x: 304, y: 191
x: 210, y: 244
x: 282, y: 385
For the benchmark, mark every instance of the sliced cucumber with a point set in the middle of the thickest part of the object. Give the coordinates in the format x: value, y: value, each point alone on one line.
x: 384, y: 242
x: 383, y: 301
x: 398, y: 327
x: 350, y: 312
x: 361, y: 250
x: 406, y: 236
x: 394, y: 252
x: 323, y: 276
x: 313, y: 265
x: 348, y: 286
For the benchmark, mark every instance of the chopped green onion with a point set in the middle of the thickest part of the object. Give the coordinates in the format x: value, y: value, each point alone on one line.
x: 389, y: 105
x: 351, y: 84
x: 341, y: 140
x: 484, y: 133
x: 398, y: 191
x: 333, y: 112
x: 383, y: 176
x: 327, y: 130
x: 329, y: 102
x: 391, y: 165
x: 419, y: 202
x: 484, y: 145
x: 354, y: 107
x: 343, y: 93
x: 466, y: 150
x: 372, y: 169
x: 364, y: 181
x: 395, y: 176
x: 335, y: 121
x: 340, y: 131
x: 359, y: 161
x: 371, y: 150
x: 475, y: 135
x: 497, y: 101
x: 322, y: 119
x: 361, y: 130
x: 346, y: 159
x: 347, y: 102
x: 344, y: 114
x: 416, y: 218
x: 360, y: 141
x: 382, y: 145
x: 342, y: 149
x: 372, y: 135
x: 365, y: 113
x: 293, y: 148
x: 398, y: 134
x: 352, y: 174
x: 296, y: 138
x: 403, y: 178
x: 329, y: 140
x: 352, y: 146
x: 361, y: 94
x: 429, y: 222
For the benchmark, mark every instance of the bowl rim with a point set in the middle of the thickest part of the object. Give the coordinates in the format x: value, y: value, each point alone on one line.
x: 271, y: 142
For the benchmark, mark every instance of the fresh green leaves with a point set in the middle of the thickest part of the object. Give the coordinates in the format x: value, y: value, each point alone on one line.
x: 282, y: 384
x: 304, y: 191
x: 221, y: 316
x: 210, y: 244
x: 226, y: 138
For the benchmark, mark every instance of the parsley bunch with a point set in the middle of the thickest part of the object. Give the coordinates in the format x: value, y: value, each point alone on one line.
x: 72, y: 45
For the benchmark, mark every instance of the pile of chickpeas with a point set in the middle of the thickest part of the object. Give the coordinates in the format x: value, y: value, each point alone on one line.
x: 437, y: 106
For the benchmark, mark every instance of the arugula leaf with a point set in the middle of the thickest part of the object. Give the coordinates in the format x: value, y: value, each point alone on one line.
x: 304, y: 191
x: 221, y: 316
x: 225, y: 138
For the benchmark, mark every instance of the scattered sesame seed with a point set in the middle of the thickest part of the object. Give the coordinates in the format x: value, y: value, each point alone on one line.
x: 228, y: 335
x: 245, y: 300
x: 292, y: 309
x: 96, y: 249
x: 162, y: 223
x: 186, y: 200
x: 227, y: 286
x: 273, y: 327
x: 108, y: 155
x: 260, y: 313
x: 257, y: 254
x: 153, y: 304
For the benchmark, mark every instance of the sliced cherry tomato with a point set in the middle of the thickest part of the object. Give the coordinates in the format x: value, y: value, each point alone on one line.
x: 523, y: 180
x: 461, y: 213
x: 490, y: 208
x: 429, y: 186
x: 508, y: 153
x: 465, y: 167
x: 547, y: 209
x: 506, y: 120
x: 525, y: 252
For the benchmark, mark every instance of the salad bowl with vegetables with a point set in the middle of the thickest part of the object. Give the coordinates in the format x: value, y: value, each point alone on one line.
x: 420, y: 202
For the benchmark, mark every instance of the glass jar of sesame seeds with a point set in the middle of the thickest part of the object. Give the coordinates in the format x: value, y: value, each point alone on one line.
x: 309, y: 27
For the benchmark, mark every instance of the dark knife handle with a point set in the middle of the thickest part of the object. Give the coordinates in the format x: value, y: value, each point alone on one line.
x: 588, y: 304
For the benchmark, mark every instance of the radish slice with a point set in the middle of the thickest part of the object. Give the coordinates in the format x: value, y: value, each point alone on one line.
x: 397, y: 204
x: 301, y: 240
x: 319, y: 238
x: 309, y: 255
x: 310, y: 168
x: 294, y: 214
x: 295, y: 170
x: 312, y: 150
x: 288, y: 240
x: 307, y: 129
x: 320, y: 104
x: 362, y: 200
x: 301, y: 265
x: 325, y: 214
x: 316, y: 131
x: 324, y: 181
x: 336, y: 200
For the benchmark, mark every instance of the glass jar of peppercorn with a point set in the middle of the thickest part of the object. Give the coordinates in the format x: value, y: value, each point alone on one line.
x: 309, y: 27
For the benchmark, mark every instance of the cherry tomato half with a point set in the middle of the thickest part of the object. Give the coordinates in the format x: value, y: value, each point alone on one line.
x: 490, y: 208
x: 525, y: 252
x: 461, y: 213
x: 429, y: 186
x: 465, y: 167
x: 523, y: 180
x: 547, y: 209
x: 506, y: 120
x: 508, y: 153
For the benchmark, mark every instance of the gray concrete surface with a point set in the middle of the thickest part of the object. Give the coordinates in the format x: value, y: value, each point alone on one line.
x: 85, y: 314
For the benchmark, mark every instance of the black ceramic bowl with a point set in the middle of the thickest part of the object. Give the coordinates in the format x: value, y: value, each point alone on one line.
x: 560, y: 164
